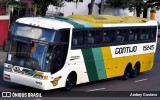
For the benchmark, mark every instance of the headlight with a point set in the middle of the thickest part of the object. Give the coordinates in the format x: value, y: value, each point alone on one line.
x: 41, y: 77
x: 8, y: 69
x: 38, y: 76
x: 10, y: 66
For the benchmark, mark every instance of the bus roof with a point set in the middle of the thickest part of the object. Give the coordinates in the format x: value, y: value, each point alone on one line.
x: 103, y: 19
x: 85, y: 21
x: 44, y: 22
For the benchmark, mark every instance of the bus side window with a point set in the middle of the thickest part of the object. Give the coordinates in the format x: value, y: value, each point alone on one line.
x: 75, y: 38
x: 78, y: 38
x: 81, y: 39
x: 98, y: 36
x: 153, y: 33
x: 94, y: 37
x: 148, y: 34
x: 145, y: 34
x: 119, y: 36
x: 90, y: 37
x: 105, y: 37
x: 108, y: 36
x: 131, y: 35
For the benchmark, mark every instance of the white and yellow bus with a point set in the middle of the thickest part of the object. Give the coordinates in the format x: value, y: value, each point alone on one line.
x: 54, y: 52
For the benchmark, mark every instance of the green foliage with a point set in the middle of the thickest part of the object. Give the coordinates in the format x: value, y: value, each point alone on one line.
x: 131, y: 4
x: 139, y: 5
x: 118, y: 3
x: 43, y: 4
x: 11, y: 2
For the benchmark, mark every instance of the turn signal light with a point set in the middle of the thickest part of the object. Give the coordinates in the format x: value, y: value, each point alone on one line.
x: 45, y: 77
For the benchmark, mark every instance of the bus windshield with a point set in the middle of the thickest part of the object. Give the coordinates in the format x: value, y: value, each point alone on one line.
x: 48, y: 56
x: 33, y: 32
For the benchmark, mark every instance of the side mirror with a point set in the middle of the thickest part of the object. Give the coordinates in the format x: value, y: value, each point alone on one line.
x: 6, y: 43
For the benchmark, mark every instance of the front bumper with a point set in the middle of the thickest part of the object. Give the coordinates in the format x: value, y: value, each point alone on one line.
x: 28, y: 81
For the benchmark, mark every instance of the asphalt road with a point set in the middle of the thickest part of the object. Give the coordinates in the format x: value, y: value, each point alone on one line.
x: 147, y: 81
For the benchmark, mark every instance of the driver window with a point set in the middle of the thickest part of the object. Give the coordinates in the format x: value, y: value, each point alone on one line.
x: 49, y: 57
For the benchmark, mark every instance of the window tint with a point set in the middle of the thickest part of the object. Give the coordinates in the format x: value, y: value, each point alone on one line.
x: 94, y: 37
x: 145, y: 34
x: 119, y: 36
x: 107, y: 36
x: 153, y: 33
x: 132, y: 35
x: 112, y: 36
x: 90, y: 37
x: 78, y: 38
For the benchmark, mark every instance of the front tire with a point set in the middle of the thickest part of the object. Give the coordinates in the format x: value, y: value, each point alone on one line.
x: 69, y: 83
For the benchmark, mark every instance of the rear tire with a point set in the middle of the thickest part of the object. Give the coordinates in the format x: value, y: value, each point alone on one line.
x: 126, y: 74
x: 135, y: 72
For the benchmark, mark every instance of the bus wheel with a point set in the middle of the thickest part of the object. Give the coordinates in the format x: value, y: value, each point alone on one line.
x: 69, y: 83
x: 135, y: 72
x: 126, y: 74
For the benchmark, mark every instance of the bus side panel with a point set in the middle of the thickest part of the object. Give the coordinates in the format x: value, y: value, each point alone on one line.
x: 98, y: 58
x: 75, y: 62
x: 108, y: 62
x: 114, y: 66
x: 146, y: 61
x: 90, y: 64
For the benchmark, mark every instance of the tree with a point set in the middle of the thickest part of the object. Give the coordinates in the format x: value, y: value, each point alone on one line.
x: 130, y: 4
x: 138, y: 5
x: 40, y: 6
x: 90, y: 7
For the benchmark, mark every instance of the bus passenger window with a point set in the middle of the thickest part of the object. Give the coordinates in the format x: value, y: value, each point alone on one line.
x: 106, y: 38
x: 81, y: 39
x: 145, y: 34
x: 119, y: 36
x: 75, y: 38
x: 75, y: 42
x: 131, y: 36
x: 98, y: 37
x: 153, y: 33
x: 78, y: 38
x: 90, y: 38
x: 94, y: 37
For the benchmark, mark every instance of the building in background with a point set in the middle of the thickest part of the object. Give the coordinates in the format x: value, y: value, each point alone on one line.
x: 4, y: 21
x: 9, y: 13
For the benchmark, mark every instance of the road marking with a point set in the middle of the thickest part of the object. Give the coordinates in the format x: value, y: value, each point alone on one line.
x: 141, y: 80
x: 97, y: 89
